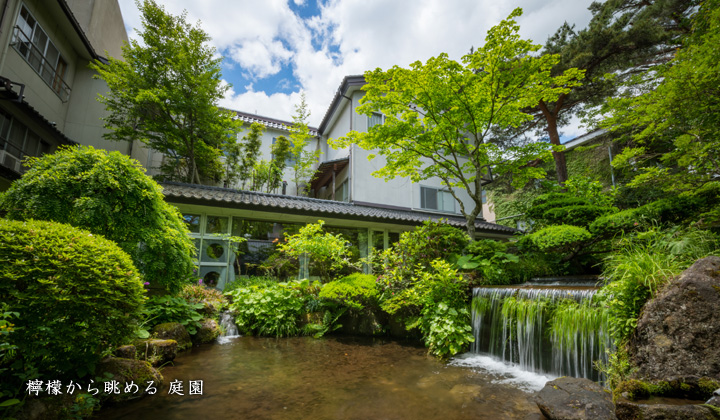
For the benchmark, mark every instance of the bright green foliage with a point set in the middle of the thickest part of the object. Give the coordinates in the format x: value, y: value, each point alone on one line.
x: 437, y: 300
x: 354, y: 291
x: 304, y: 160
x: 416, y: 250
x: 645, y: 264
x: 164, y: 92
x: 241, y: 155
x: 281, y: 152
x: 272, y: 310
x: 571, y: 319
x: 675, y: 124
x: 107, y: 194
x: 327, y: 252
x: 440, y: 115
x: 163, y: 309
x: 77, y: 296
x: 559, y: 237
x: 207, y: 296
x: 489, y: 258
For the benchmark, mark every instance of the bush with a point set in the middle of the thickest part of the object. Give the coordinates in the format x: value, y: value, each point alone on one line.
x: 559, y: 237
x: 206, y: 296
x: 327, y: 252
x: 107, y: 194
x: 164, y: 309
x: 354, y: 291
x: 271, y: 310
x: 77, y: 296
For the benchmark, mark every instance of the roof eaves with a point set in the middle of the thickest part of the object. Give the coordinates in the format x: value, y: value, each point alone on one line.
x: 354, y: 80
x: 269, y: 122
x: 71, y: 17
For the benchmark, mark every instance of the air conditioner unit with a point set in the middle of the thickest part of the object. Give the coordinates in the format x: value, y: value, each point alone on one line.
x: 10, y: 161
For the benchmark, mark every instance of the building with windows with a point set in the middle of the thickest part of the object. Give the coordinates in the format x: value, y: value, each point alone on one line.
x: 47, y: 92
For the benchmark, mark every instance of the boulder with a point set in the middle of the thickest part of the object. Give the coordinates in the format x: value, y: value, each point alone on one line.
x: 365, y: 322
x: 126, y: 371
x: 715, y: 399
x: 157, y: 351
x: 207, y: 332
x: 627, y: 410
x: 125, y: 352
x: 678, y: 333
x: 575, y: 398
x: 173, y: 331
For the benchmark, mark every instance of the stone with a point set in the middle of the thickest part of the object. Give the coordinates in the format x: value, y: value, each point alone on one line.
x: 627, y: 410
x: 126, y: 370
x: 365, y: 322
x: 157, y: 351
x: 126, y: 352
x: 575, y: 398
x: 678, y: 333
x: 715, y: 401
x: 207, y: 332
x: 173, y: 331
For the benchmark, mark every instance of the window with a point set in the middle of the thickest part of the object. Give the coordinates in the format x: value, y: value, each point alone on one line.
x: 31, y: 42
x: 436, y: 199
x: 375, y: 119
x: 17, y: 141
x: 341, y: 192
x: 483, y: 196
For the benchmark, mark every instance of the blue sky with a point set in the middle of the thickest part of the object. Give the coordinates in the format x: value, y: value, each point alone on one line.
x: 275, y: 49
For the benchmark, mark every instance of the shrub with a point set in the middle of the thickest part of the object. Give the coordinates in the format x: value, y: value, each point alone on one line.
x: 77, y: 295
x: 327, y: 252
x: 206, y: 296
x: 163, y: 309
x: 107, y: 194
x: 559, y: 237
x: 354, y: 291
x: 272, y: 310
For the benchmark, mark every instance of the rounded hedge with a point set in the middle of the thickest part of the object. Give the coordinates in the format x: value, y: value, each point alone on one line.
x: 77, y: 295
x: 354, y: 291
x: 109, y: 194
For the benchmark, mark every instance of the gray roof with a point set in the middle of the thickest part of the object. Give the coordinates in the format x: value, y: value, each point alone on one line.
x: 270, y: 122
x: 227, y: 197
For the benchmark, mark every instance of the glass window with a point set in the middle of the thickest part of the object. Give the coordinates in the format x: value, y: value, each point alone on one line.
x: 192, y: 221
x: 216, y: 225
x: 341, y: 192
x: 436, y: 199
x: 393, y: 237
x: 375, y: 119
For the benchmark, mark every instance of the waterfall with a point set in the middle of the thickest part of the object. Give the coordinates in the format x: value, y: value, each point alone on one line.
x: 516, y: 324
x: 228, y: 328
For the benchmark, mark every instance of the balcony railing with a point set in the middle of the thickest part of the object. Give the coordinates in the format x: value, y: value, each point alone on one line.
x: 37, y: 60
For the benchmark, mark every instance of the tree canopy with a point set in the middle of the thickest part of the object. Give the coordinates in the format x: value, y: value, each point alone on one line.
x: 440, y: 115
x: 164, y: 91
x: 303, y: 159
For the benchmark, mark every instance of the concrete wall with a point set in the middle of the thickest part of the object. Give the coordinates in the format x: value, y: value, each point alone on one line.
x: 102, y: 22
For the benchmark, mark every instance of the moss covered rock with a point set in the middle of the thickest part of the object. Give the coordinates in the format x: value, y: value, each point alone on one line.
x: 207, y: 332
x: 173, y: 331
x: 627, y: 410
x: 126, y: 371
x: 126, y: 352
x: 157, y: 351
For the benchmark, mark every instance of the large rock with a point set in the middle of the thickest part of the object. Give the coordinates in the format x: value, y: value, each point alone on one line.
x: 156, y: 351
x: 678, y: 333
x: 126, y: 371
x: 575, y: 398
x: 627, y: 410
x: 173, y: 331
x: 207, y: 332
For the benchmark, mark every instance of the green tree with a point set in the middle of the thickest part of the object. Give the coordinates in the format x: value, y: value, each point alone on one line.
x: 303, y: 158
x: 327, y: 252
x: 440, y: 115
x: 110, y: 195
x: 164, y: 91
x: 674, y: 126
x: 250, y: 152
x: 281, y: 153
x: 623, y: 38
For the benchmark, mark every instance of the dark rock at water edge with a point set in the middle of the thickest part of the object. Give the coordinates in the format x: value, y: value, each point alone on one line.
x: 173, y: 331
x: 129, y: 370
x: 156, y: 351
x: 575, y: 398
x: 207, y: 332
x: 627, y: 410
x: 678, y: 333
x: 126, y: 352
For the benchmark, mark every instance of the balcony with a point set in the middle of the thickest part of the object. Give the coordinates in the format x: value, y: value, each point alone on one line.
x: 48, y: 63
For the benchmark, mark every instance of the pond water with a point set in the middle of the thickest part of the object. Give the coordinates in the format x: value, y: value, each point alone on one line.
x: 335, y: 378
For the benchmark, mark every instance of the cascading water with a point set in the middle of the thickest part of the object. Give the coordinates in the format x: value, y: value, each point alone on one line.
x: 525, y: 325
x: 227, y: 327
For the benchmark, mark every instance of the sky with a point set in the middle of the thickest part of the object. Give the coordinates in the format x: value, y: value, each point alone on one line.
x: 275, y: 49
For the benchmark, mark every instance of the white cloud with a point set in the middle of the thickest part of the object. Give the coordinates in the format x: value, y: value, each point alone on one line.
x: 349, y: 37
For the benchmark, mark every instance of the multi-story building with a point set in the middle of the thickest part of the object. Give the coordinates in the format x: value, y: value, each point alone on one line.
x: 47, y: 92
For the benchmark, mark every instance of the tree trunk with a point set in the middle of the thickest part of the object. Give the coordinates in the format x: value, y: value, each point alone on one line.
x: 559, y: 157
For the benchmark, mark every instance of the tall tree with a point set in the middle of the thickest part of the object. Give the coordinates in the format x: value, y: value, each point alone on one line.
x: 303, y: 158
x: 624, y: 37
x: 241, y: 156
x: 164, y: 93
x: 439, y: 115
x: 674, y: 126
